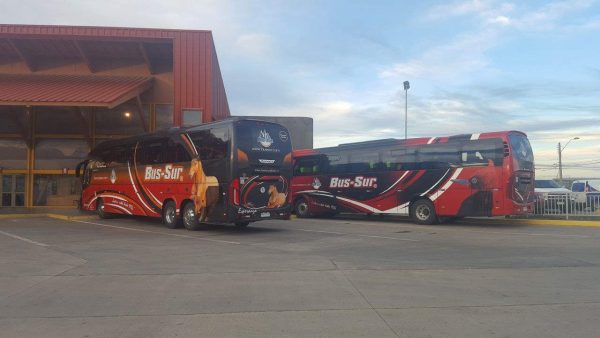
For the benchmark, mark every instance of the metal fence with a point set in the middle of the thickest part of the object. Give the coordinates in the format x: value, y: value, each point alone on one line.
x: 575, y: 204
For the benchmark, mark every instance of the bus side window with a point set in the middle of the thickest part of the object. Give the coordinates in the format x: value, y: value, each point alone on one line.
x: 211, y: 144
x: 363, y: 161
x: 336, y: 163
x: 307, y: 166
x: 174, y: 152
x: 150, y: 152
x: 482, y: 152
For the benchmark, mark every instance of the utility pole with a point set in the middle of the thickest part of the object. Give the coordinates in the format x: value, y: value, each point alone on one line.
x: 560, y: 150
x: 406, y: 87
x: 560, y: 177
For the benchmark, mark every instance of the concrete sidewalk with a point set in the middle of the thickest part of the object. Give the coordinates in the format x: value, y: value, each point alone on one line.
x: 66, y: 214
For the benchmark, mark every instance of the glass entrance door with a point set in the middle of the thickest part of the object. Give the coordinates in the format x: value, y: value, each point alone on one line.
x: 13, y: 190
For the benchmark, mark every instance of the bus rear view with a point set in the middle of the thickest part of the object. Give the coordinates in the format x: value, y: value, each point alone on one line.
x: 262, y: 171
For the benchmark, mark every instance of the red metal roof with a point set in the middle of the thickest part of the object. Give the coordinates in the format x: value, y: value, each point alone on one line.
x: 70, y: 90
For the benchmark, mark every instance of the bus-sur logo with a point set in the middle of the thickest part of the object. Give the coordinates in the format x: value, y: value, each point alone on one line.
x: 265, y: 139
x: 357, y: 182
x: 169, y: 173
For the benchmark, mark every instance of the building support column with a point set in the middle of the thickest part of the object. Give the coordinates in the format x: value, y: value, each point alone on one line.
x: 29, y: 179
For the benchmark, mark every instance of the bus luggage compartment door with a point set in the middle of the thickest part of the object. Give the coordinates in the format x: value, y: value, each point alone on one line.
x: 265, y: 192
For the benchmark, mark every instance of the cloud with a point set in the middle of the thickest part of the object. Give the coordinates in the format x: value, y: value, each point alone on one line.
x: 501, y: 20
x: 466, y: 54
x: 460, y: 8
x: 548, y: 16
x: 506, y: 14
x: 255, y: 45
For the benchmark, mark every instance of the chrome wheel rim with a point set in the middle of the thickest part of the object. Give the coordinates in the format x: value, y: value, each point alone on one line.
x: 170, y: 215
x: 189, y: 215
x: 302, y: 208
x: 422, y: 212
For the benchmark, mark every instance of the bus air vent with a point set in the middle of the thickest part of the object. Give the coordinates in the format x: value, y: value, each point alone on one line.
x: 506, y: 149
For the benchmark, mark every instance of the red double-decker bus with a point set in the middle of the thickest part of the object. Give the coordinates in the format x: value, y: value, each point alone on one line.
x: 235, y: 171
x: 431, y: 179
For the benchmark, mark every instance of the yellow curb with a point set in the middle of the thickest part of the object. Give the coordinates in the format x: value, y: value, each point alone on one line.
x: 55, y: 216
x: 71, y: 218
x: 549, y: 222
x: 58, y: 216
x: 13, y: 216
x: 83, y: 218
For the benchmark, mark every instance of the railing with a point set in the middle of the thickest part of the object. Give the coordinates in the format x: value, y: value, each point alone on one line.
x: 565, y: 205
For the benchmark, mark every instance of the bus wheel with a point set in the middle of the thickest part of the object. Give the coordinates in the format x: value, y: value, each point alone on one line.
x: 169, y: 215
x: 190, y: 220
x: 301, y: 208
x: 423, y: 212
x: 242, y: 224
x: 100, y: 210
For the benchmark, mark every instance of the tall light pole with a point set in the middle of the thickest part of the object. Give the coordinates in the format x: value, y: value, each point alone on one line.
x: 560, y: 150
x: 406, y: 87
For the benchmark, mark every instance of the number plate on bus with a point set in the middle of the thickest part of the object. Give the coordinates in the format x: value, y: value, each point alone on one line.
x: 265, y: 214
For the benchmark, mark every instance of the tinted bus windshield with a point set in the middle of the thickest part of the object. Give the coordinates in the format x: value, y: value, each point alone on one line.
x: 521, y: 150
x: 262, y: 143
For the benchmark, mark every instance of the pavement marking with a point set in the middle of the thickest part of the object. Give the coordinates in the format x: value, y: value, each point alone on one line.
x: 385, y: 237
x: 319, y: 231
x: 517, y: 221
x: 159, y: 233
x: 23, y: 239
x: 546, y: 222
x: 349, y: 233
x: 442, y: 228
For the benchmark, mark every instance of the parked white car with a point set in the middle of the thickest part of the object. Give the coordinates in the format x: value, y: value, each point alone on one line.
x: 591, y: 190
x: 549, y: 187
x: 551, y: 198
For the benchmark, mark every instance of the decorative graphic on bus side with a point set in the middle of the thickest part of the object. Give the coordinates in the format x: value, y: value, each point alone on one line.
x: 265, y: 139
x: 357, y: 182
x: 316, y: 184
x: 169, y: 172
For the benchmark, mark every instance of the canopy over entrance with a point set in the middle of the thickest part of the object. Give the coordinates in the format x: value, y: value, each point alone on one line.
x: 70, y: 90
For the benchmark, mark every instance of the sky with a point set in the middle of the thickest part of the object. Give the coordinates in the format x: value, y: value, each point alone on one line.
x: 473, y: 66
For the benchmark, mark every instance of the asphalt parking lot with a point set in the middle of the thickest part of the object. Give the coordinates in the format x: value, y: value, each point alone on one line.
x: 339, y: 277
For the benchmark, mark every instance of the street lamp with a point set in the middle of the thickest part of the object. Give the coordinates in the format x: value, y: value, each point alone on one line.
x: 406, y: 87
x: 560, y: 150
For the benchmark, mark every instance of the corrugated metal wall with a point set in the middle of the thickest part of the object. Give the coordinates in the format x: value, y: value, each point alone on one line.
x: 220, y: 108
x: 197, y: 81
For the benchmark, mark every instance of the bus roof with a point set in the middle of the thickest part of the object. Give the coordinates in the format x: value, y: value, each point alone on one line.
x: 410, y: 141
x: 167, y: 132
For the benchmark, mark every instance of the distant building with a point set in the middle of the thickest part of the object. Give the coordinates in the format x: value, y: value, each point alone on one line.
x: 64, y: 89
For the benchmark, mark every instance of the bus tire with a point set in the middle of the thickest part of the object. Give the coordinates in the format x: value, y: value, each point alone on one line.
x: 423, y: 212
x: 301, y: 208
x: 190, y: 219
x: 242, y: 224
x: 100, y: 210
x: 169, y: 215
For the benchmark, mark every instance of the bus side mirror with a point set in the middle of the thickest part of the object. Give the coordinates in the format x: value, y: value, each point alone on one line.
x: 78, y: 168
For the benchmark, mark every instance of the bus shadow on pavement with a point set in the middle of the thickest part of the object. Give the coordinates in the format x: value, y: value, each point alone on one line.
x: 155, y: 223
x: 466, y: 222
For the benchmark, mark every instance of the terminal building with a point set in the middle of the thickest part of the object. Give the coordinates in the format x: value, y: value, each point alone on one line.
x: 65, y: 89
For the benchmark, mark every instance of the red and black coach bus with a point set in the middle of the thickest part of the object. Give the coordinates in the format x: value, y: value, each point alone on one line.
x: 234, y: 171
x: 431, y: 179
